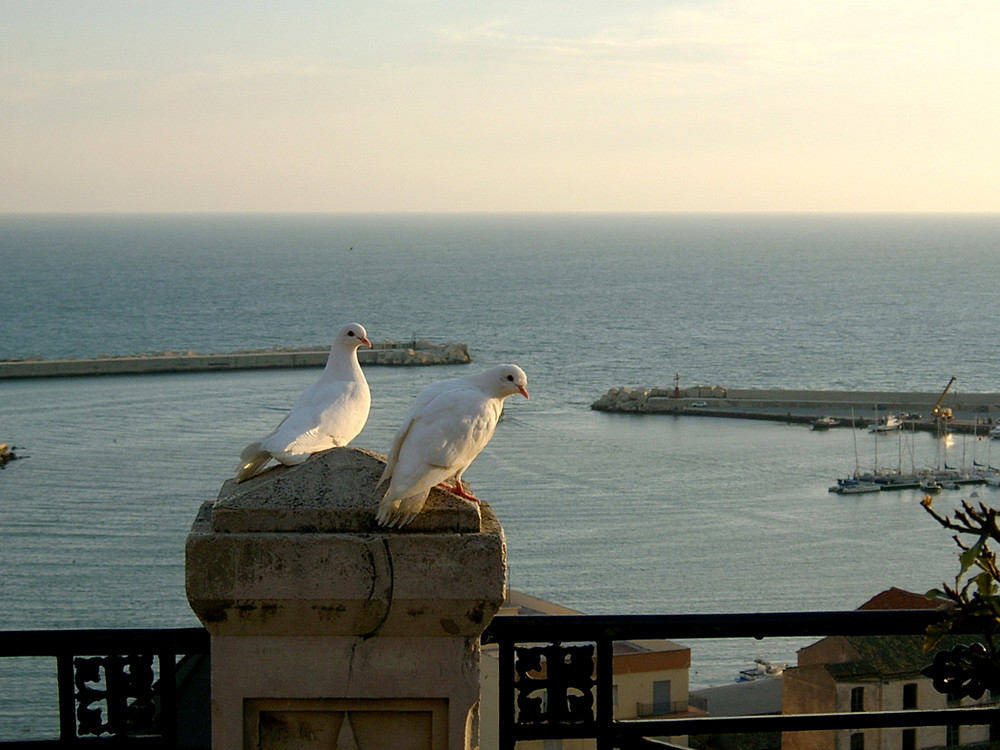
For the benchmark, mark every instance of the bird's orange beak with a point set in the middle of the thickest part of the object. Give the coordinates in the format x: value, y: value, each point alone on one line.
x: 524, y: 391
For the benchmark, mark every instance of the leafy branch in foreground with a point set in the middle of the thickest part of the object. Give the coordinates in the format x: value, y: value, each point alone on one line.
x: 968, y: 670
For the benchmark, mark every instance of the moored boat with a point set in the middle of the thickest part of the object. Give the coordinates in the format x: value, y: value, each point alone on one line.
x: 761, y: 669
x: 855, y: 487
x: 889, y: 423
x: 930, y: 484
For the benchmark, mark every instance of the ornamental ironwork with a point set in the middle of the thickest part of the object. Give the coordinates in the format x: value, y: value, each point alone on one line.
x: 555, y: 684
x: 116, y: 695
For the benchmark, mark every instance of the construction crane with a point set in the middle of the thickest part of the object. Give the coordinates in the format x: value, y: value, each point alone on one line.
x: 938, y: 411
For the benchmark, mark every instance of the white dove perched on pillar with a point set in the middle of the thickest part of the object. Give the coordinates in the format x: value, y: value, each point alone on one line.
x: 448, y: 425
x: 328, y: 414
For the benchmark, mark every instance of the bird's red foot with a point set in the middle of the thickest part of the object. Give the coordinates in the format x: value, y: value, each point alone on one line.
x: 457, y: 489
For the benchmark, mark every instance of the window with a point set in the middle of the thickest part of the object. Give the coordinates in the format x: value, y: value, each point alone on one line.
x: 857, y: 699
x: 952, y: 736
x: 909, y: 739
x: 661, y: 697
x: 857, y: 741
x: 910, y: 695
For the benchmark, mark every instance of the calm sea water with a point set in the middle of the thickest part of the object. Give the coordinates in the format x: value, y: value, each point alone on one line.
x: 603, y: 513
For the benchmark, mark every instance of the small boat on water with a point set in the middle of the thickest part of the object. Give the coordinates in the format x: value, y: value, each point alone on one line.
x: 855, y: 487
x: 7, y: 453
x: 889, y: 423
x: 824, y: 423
x: 761, y: 669
x: 859, y: 488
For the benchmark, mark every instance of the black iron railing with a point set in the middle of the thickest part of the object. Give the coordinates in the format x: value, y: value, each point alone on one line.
x: 556, y: 677
x: 119, y: 685
x: 571, y: 696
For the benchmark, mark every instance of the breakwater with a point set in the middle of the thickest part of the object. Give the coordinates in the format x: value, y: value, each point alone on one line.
x: 858, y: 408
x: 389, y: 353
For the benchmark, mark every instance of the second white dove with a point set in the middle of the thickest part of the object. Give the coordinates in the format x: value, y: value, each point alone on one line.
x: 448, y: 425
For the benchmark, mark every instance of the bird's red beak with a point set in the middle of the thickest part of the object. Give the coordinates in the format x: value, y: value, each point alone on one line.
x: 524, y: 391
x: 366, y: 342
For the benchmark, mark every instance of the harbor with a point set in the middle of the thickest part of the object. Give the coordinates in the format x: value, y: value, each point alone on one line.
x: 878, y: 412
x: 969, y: 413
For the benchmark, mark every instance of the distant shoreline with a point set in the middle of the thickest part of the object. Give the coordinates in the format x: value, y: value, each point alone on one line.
x: 390, y: 353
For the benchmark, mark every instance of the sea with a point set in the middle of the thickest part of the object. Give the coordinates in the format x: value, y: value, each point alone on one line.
x: 603, y: 513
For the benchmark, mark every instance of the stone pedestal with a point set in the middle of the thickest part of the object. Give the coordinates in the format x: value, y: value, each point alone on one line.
x: 330, y: 631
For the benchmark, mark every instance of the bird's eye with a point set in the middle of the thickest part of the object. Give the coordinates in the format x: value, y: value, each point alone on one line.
x: 510, y: 378
x: 350, y: 333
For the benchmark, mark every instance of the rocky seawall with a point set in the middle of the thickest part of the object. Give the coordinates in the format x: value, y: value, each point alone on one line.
x: 390, y: 353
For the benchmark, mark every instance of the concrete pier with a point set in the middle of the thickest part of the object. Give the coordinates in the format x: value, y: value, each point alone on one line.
x: 383, y: 353
x: 973, y: 412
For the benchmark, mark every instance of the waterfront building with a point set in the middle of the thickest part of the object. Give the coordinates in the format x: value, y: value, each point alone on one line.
x: 873, y: 673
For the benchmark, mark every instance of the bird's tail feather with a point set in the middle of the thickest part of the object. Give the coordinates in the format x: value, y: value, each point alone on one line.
x: 399, y: 511
x: 252, y: 460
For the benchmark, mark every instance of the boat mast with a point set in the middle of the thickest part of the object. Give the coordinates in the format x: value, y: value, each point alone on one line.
x: 854, y: 433
x: 875, y: 470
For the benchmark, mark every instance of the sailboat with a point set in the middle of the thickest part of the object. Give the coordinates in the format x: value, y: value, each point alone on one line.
x: 855, y: 485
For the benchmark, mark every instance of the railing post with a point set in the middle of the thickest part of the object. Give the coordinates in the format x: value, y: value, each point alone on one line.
x: 505, y: 687
x: 67, y: 702
x: 605, y: 693
x: 168, y: 698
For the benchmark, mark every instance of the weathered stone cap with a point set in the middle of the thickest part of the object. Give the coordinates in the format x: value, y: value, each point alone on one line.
x: 334, y: 491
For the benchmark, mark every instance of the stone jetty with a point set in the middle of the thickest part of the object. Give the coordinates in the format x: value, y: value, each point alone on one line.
x: 388, y: 352
x: 971, y: 410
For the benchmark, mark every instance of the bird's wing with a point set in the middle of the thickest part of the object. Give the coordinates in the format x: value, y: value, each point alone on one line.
x: 416, y: 409
x: 327, y: 414
x: 442, y: 439
x: 452, y: 432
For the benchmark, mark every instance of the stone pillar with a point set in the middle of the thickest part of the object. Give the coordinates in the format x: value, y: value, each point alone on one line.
x: 329, y: 631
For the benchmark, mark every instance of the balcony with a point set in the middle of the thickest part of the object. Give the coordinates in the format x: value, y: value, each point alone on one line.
x: 556, y: 679
x: 665, y: 708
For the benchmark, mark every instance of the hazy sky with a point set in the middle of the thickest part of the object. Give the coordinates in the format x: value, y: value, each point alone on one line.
x: 514, y: 105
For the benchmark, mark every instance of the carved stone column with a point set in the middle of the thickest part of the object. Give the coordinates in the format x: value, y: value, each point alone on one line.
x: 329, y: 631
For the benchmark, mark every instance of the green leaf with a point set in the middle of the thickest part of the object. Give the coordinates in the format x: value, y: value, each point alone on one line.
x: 969, y: 556
x: 984, y: 585
x: 934, y: 633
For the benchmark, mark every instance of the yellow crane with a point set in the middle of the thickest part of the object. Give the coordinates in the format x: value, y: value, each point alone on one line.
x: 938, y: 411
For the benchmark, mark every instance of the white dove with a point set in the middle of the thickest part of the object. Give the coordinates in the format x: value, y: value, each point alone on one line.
x: 329, y: 413
x: 448, y: 425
